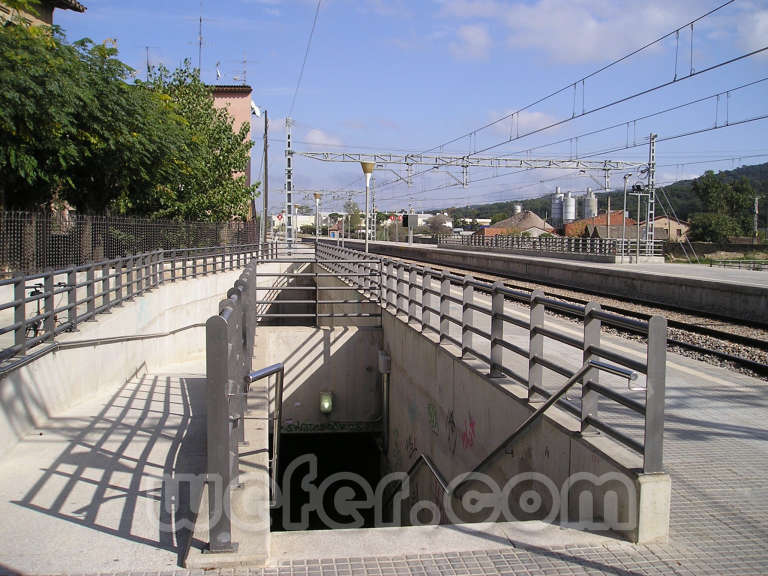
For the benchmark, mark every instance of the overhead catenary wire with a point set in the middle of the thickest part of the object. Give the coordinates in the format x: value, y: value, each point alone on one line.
x: 304, y: 62
x: 628, y: 145
x: 587, y: 77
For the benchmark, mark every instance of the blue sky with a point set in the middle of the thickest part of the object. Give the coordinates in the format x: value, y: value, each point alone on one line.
x: 395, y: 75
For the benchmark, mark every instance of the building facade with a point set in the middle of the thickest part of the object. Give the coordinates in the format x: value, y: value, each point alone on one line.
x: 44, y: 11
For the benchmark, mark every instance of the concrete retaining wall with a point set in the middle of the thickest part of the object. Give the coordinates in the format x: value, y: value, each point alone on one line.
x: 37, y: 391
x: 448, y: 409
x: 341, y: 360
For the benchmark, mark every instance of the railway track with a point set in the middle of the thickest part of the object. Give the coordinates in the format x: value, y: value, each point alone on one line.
x: 708, y: 338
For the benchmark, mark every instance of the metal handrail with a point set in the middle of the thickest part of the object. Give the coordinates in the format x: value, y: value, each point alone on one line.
x: 578, y: 375
x: 403, y: 294
x: 277, y: 418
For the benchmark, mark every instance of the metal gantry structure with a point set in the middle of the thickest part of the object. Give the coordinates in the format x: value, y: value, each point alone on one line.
x: 386, y: 160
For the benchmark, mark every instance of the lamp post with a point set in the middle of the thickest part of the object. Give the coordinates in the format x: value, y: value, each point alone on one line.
x: 624, y: 220
x: 367, y: 170
x: 257, y: 112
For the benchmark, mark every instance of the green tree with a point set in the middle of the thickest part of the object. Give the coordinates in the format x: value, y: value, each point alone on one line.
x: 210, y: 182
x: 73, y: 127
x: 438, y: 225
x: 728, y: 207
x: 355, y: 218
x: 713, y: 227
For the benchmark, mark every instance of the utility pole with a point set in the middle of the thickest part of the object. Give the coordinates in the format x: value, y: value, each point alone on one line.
x: 755, y: 222
x: 200, y: 41
x: 649, y: 233
x: 373, y: 208
x: 317, y: 218
x: 288, y: 184
x: 265, y: 204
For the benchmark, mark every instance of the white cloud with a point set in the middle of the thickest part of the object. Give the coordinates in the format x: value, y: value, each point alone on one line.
x: 474, y: 42
x: 522, y: 123
x: 753, y: 31
x: 576, y: 31
x: 582, y: 31
x: 471, y: 8
x: 316, y: 137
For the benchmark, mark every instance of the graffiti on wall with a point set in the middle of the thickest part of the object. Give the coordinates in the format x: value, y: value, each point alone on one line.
x: 434, y: 424
x: 468, y: 434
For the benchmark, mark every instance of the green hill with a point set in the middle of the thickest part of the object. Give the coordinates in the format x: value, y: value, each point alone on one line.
x: 679, y: 196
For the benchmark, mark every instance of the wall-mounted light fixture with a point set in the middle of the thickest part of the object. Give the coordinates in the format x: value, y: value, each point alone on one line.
x: 326, y: 402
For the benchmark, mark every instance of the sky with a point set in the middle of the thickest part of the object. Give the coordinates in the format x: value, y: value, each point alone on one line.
x: 431, y: 75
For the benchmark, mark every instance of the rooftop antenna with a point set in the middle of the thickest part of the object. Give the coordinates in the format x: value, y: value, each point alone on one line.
x: 200, y: 40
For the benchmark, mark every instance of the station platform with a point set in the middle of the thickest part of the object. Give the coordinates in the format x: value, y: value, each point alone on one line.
x: 82, y: 494
x: 730, y: 293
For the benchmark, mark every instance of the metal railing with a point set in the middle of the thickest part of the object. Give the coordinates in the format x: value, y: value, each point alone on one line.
x: 35, y: 308
x: 557, y: 244
x: 428, y: 301
x: 36, y: 241
x: 741, y: 264
x: 423, y: 459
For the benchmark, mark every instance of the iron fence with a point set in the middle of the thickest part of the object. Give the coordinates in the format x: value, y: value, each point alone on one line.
x: 429, y: 300
x: 35, y: 308
x: 35, y: 241
x: 558, y: 244
x: 741, y: 264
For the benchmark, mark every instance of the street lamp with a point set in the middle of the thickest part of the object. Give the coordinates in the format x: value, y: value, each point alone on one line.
x: 256, y: 111
x: 367, y: 170
x: 317, y: 218
x: 624, y: 220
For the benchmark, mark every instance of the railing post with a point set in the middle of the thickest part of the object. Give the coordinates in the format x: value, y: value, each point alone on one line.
x: 383, y: 286
x: 221, y: 442
x: 655, y: 394
x: 105, y: 287
x: 173, y: 265
x: 445, y: 305
x: 426, y: 297
x: 467, y: 315
x: 148, y: 271
x: 118, y: 296
x: 412, y: 289
x: 72, y: 298
x: 130, y: 264
x: 194, y: 264
x: 589, y: 398
x: 20, y: 312
x: 49, y: 322
x: 400, y: 294
x: 497, y: 330
x: 393, y: 286
x: 535, y: 343
x: 90, y: 291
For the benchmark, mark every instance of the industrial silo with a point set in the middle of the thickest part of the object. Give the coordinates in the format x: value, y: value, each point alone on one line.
x: 590, y: 204
x: 569, y: 208
x: 557, y: 207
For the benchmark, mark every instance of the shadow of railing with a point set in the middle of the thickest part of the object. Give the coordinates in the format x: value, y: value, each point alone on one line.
x: 135, y: 469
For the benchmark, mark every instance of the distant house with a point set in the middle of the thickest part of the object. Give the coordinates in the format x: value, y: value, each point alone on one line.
x: 525, y: 222
x: 664, y: 228
x: 587, y: 226
x: 44, y: 9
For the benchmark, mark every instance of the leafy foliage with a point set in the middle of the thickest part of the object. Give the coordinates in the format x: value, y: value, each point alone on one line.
x: 209, y: 167
x: 73, y: 128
